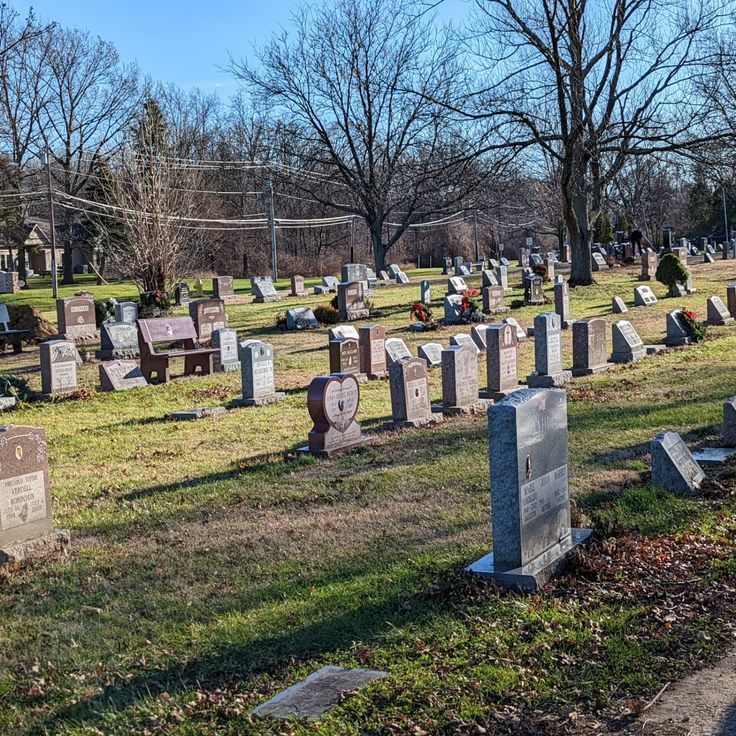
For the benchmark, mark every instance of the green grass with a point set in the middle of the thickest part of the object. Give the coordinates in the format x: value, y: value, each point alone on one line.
x: 224, y: 570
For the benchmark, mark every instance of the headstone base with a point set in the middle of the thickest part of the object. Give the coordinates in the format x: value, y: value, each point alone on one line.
x: 7, y: 402
x: 531, y: 577
x: 260, y: 400
x: 477, y: 407
x: 263, y: 300
x: 677, y: 342
x: 51, y: 544
x: 496, y: 396
x: 654, y: 349
x: 713, y: 455
x: 629, y: 357
x: 300, y: 294
x: 364, y: 439
x: 377, y: 376
x: 226, y: 367
x: 592, y: 371
x: 497, y: 310
x: 553, y: 380
x: 429, y: 421
x: 355, y: 314
x: 189, y: 415
x: 719, y: 322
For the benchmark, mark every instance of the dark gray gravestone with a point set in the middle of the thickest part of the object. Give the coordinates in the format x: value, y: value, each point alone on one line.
x: 226, y: 357
x: 456, y: 285
x: 351, y: 301
x: 501, y: 361
x: 599, y: 262
x: 372, y: 346
x: 117, y: 340
x: 493, y: 300
x: 523, y: 257
x: 58, y: 367
x: 527, y: 433
x: 489, y: 279
x: 453, y: 309
x: 618, y: 306
x: 729, y: 422
x: 297, y: 286
x: 644, y: 297
x: 345, y: 358
x: 301, y: 318
x: 126, y: 312
x: 460, y: 382
x: 402, y: 278
x: 731, y: 299
x: 396, y: 350
x: 393, y: 270
x: 263, y: 290
x: 677, y: 333
x: 222, y: 287
x: 26, y: 524
x: 589, y: 347
x: 257, y: 374
x: 562, y: 303
x: 649, y: 263
x: 121, y: 375
x: 410, y: 406
x: 425, y: 292
x: 547, y: 353
x: 432, y: 353
x: 717, y: 312
x: 342, y: 332
x: 333, y: 402
x: 502, y: 274
x: 627, y: 345
x: 533, y: 293
x: 457, y: 262
x: 76, y: 316
x: 673, y: 467
x: 181, y: 293
x: 354, y: 272
x: 208, y: 315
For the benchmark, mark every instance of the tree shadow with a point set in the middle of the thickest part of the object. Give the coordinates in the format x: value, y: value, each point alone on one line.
x: 726, y: 725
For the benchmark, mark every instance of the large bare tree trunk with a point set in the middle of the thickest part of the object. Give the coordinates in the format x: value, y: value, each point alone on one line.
x: 379, y: 251
x: 578, y: 229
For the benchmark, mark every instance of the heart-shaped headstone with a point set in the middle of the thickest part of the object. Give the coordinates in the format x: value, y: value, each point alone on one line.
x: 334, y: 400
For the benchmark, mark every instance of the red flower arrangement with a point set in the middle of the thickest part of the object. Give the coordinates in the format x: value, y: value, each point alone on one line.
x: 691, y: 321
x: 420, y: 312
x: 469, y: 305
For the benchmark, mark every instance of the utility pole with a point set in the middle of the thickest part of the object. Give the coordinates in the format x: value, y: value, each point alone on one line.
x: 352, y: 239
x: 52, y: 226
x: 475, y: 229
x: 272, y: 227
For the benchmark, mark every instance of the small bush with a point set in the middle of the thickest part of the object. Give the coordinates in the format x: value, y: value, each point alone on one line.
x: 326, y: 314
x: 333, y: 302
x: 14, y: 386
x: 104, y: 308
x: 671, y: 270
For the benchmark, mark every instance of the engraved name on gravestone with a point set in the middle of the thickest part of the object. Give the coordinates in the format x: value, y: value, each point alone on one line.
x: 333, y: 402
x: 501, y: 370
x: 207, y: 315
x: 58, y: 367
x: 589, y: 347
x: 532, y: 533
x: 126, y: 312
x: 222, y: 287
x: 225, y: 340
x: 644, y: 296
x: 547, y: 353
x: 372, y: 346
x: 25, y: 499
x: 717, y: 312
x: 117, y: 340
x: 627, y: 345
x: 76, y: 316
x: 257, y: 374
x: 432, y: 353
x: 459, y: 379
x: 673, y: 466
x: 345, y: 357
x: 410, y: 404
x: 263, y: 290
x: 396, y: 350
x: 121, y: 375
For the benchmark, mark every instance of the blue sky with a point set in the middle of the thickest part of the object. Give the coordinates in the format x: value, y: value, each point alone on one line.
x: 183, y: 41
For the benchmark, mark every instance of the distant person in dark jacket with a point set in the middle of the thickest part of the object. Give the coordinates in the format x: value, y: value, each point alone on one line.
x: 637, y: 240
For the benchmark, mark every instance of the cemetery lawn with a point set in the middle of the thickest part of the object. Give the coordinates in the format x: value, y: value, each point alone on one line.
x: 210, y: 568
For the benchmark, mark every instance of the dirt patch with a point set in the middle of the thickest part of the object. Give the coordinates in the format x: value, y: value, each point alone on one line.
x: 25, y: 317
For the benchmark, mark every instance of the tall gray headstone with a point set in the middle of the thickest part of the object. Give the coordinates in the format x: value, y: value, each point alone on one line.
x: 257, y: 373
x: 589, y: 347
x: 532, y: 533
x: 460, y: 393
x: 547, y: 353
x: 562, y: 303
x: 425, y: 292
x: 501, y: 361
x: 729, y: 422
x: 410, y: 405
x: 225, y: 340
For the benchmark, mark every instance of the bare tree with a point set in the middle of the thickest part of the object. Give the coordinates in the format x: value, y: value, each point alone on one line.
x: 91, y: 100
x: 594, y: 84
x: 364, y: 82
